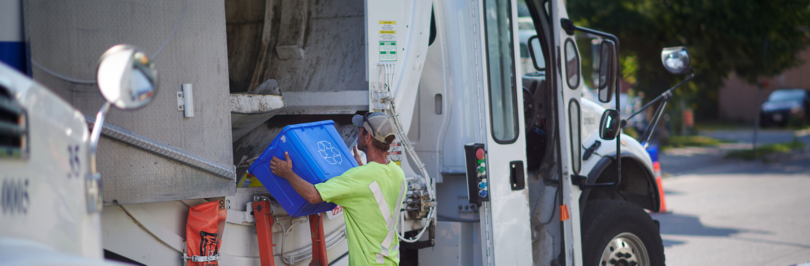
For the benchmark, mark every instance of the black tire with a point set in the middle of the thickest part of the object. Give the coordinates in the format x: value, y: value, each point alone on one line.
x: 605, y: 219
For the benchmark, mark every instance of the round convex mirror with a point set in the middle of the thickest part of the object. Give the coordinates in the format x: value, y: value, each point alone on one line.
x: 126, y: 77
x: 675, y: 59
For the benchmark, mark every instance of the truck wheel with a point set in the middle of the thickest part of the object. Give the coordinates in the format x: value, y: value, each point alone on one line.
x: 620, y: 233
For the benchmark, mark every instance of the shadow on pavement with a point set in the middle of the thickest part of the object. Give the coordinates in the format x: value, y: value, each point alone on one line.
x: 689, y: 225
x: 669, y: 243
x: 680, y: 224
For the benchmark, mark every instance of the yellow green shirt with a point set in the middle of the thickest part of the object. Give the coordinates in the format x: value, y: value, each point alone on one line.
x: 365, y: 225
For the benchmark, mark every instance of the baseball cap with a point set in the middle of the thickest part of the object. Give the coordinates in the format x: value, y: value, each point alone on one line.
x: 379, y: 125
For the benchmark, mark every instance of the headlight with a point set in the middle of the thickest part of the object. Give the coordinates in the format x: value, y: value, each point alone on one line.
x: 796, y: 109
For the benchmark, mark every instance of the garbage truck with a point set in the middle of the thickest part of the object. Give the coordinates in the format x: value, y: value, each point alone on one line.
x: 506, y: 163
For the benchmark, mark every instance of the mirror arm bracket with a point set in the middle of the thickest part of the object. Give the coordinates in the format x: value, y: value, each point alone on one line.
x: 93, y: 187
x: 656, y: 118
x: 569, y: 28
x: 96, y: 134
x: 667, y: 94
x: 582, y: 181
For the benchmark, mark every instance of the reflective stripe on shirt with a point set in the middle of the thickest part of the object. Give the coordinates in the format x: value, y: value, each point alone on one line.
x: 390, y: 222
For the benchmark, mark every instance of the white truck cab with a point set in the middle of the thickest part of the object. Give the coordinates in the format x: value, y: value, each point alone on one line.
x: 51, y: 192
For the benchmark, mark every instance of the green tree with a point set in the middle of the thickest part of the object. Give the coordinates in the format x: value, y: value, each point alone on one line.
x: 723, y: 36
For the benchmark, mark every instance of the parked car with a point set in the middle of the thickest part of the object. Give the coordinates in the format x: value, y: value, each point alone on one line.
x: 783, y: 105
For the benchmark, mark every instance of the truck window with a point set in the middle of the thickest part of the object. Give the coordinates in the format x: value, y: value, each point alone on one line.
x: 525, y: 31
x: 501, y: 68
x: 572, y: 64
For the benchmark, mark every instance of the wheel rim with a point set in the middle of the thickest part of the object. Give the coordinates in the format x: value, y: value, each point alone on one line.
x: 625, y: 249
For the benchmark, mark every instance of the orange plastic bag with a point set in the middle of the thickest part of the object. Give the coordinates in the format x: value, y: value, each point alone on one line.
x: 204, y: 229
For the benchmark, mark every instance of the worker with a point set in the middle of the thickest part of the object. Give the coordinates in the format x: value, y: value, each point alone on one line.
x: 371, y: 194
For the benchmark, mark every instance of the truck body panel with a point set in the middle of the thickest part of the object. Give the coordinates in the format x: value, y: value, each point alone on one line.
x: 68, y: 38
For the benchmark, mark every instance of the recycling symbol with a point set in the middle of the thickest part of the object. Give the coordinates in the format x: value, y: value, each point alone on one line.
x: 329, y: 152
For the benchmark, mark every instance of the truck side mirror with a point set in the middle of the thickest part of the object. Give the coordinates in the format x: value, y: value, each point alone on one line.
x: 126, y: 77
x: 609, y: 124
x: 675, y: 59
x: 127, y: 80
x: 608, y: 67
x: 536, y: 52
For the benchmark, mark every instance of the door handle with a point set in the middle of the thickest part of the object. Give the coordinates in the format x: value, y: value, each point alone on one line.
x: 516, y: 175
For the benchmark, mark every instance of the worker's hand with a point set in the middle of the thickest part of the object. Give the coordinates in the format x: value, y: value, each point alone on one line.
x: 282, y: 168
x: 357, y: 156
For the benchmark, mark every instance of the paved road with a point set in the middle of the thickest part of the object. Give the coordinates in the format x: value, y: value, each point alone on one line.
x: 738, y: 213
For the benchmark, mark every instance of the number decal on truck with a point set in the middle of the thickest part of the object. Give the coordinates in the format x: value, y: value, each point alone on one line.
x: 73, y: 160
x: 15, y: 198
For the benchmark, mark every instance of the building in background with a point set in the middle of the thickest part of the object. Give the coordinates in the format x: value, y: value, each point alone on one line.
x: 738, y: 99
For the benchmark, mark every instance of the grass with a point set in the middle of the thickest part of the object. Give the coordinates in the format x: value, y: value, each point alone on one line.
x: 765, y: 150
x: 796, y: 123
x: 693, y: 141
x: 722, y: 125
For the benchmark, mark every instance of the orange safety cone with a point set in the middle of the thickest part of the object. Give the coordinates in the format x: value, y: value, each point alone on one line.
x: 659, y: 180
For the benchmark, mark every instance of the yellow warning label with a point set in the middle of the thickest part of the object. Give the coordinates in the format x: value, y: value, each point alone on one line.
x: 249, y: 180
x: 388, y: 40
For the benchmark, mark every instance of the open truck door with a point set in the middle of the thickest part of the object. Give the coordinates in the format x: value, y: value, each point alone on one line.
x: 565, y: 79
x: 500, y: 185
x: 560, y: 59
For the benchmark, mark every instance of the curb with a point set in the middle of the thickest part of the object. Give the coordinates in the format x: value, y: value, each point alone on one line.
x: 801, y: 133
x: 784, y: 156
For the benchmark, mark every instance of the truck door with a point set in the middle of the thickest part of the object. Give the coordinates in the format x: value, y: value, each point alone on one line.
x: 563, y: 75
x: 505, y: 228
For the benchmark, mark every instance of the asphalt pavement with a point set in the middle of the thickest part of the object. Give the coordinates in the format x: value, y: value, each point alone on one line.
x: 733, y: 212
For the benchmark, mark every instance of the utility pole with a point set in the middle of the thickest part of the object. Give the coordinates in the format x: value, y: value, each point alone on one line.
x: 761, y: 84
x: 683, y: 117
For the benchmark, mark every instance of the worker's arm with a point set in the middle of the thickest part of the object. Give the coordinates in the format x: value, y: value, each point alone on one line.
x: 305, y: 189
x: 357, y: 156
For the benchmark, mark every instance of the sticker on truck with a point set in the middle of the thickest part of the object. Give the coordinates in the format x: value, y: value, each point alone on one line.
x: 337, y: 211
x: 388, y: 41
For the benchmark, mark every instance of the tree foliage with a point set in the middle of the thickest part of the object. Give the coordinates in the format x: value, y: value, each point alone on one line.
x: 723, y: 36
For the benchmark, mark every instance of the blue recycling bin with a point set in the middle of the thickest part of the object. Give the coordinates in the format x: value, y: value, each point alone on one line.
x: 653, y: 151
x: 318, y: 154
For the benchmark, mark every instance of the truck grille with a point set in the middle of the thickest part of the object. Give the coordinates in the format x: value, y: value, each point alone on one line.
x: 13, y: 126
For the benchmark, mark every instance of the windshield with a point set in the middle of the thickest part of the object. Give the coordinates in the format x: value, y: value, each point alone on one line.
x: 786, y: 95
